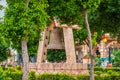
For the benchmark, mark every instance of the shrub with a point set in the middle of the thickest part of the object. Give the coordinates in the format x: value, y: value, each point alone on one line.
x: 98, y: 73
x: 18, y: 68
x: 107, y: 69
x: 115, y: 76
x: 32, y: 75
x: 48, y: 76
x: 98, y: 77
x: 111, y: 75
x: 83, y: 77
x: 8, y: 78
x: 65, y: 77
x: 106, y: 77
x: 14, y: 74
x: 2, y: 75
x: 110, y: 72
x: 99, y: 69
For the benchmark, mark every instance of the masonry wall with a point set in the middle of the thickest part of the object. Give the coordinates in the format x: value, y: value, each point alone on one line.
x: 73, y: 68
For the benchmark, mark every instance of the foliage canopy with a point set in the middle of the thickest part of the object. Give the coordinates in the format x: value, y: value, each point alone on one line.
x: 21, y: 22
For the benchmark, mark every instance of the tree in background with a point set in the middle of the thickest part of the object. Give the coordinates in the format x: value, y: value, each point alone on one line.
x: 4, y: 51
x: 107, y: 17
x: 85, y: 6
x: 71, y: 13
x: 23, y: 20
x: 4, y: 45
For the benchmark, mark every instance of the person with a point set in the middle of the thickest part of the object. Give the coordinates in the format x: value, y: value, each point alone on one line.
x: 104, y: 63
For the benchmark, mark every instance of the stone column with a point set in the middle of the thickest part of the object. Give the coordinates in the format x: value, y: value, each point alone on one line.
x: 69, y: 45
x: 42, y: 48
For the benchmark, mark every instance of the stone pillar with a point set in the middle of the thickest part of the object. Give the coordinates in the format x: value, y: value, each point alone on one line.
x: 42, y: 48
x: 69, y: 45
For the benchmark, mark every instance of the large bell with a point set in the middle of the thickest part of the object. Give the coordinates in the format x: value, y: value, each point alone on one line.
x: 56, y: 39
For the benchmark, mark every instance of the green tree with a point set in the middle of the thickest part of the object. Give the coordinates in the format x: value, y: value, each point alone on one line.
x: 85, y: 6
x: 71, y: 12
x: 80, y: 36
x: 65, y: 10
x: 23, y: 20
x: 107, y: 17
x: 4, y: 51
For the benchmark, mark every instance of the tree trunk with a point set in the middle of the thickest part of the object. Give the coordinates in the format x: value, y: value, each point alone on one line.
x: 25, y: 60
x: 25, y: 56
x: 90, y: 44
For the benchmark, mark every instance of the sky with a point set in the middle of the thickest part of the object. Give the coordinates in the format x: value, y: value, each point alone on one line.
x: 2, y: 2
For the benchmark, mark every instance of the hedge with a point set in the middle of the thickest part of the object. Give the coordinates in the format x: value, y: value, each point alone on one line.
x: 48, y: 76
x: 100, y: 74
x: 10, y: 74
x: 32, y: 75
x: 97, y: 77
x: 83, y: 77
x: 107, y: 69
x: 14, y: 74
x: 2, y: 75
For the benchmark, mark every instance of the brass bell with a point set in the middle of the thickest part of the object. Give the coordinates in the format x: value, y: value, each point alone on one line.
x: 56, y: 40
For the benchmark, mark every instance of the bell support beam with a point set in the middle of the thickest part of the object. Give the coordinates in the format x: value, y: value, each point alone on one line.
x: 42, y: 49
x: 69, y: 45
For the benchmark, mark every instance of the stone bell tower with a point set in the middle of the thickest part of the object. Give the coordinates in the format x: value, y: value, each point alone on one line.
x: 58, y: 37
